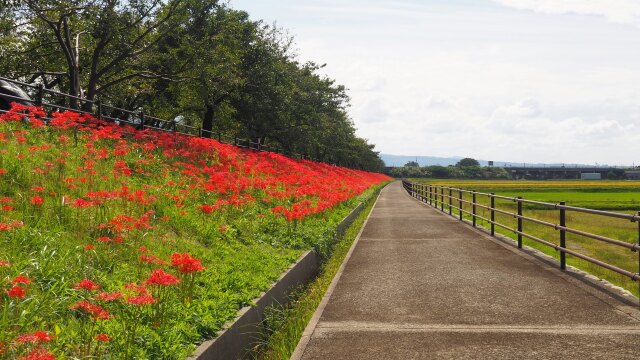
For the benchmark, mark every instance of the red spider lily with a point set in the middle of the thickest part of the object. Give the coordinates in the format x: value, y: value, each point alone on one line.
x: 185, y: 263
x: 207, y: 209
x: 4, y: 263
x: 2, y: 171
x: 152, y: 259
x: 96, y: 311
x: 36, y: 337
x: 82, y: 203
x: 12, y: 225
x: 139, y: 289
x: 36, y: 200
x: 37, y: 189
x: 21, y: 279
x: 17, y: 292
x: 161, y: 278
x: 108, y: 297
x: 39, y: 354
x: 86, y: 284
x: 102, y: 337
x: 141, y: 300
x: 89, y: 247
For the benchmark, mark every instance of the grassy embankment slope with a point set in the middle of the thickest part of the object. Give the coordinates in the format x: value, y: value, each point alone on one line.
x: 139, y: 244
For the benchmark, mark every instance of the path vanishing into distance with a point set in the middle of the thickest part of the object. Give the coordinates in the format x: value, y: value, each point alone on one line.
x: 422, y: 285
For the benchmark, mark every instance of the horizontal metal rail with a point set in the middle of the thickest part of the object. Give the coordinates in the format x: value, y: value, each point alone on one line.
x: 444, y: 195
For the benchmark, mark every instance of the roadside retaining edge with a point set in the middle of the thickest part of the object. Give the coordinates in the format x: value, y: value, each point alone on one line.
x: 241, y: 334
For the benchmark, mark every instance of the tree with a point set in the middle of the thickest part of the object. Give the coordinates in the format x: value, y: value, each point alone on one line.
x: 89, y: 47
x: 197, y: 62
x: 438, y: 171
x: 412, y: 164
x: 467, y: 162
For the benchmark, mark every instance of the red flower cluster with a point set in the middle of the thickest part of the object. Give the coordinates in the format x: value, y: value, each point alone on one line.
x: 185, y: 263
x: 161, y: 278
x: 17, y: 292
x: 141, y: 300
x: 107, y: 297
x: 95, y: 311
x: 36, y: 337
x: 39, y: 354
x: 86, y: 284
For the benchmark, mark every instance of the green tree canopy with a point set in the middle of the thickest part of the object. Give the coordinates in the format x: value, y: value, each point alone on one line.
x: 199, y: 62
x: 467, y: 162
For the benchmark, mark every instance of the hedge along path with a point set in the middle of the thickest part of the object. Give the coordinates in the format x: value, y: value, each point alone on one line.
x: 421, y: 285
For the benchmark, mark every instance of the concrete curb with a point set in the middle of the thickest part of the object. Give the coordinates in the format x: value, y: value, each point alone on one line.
x: 240, y: 335
x: 308, y: 331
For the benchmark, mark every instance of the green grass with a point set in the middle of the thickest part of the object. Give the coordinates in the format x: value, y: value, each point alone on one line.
x: 618, y: 196
x: 284, y: 325
x: 112, y: 206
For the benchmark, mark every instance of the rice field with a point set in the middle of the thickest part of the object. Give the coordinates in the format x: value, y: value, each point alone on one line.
x: 615, y: 196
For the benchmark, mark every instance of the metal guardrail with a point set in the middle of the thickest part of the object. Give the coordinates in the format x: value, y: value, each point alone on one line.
x: 443, y: 197
x: 45, y: 98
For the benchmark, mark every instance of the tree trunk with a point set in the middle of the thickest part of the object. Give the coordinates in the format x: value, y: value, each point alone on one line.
x: 207, y: 121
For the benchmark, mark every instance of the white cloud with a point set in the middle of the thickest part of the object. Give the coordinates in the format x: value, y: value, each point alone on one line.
x: 444, y: 78
x: 620, y: 11
x: 523, y: 108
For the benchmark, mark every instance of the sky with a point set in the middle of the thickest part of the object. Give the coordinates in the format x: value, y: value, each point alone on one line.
x: 505, y: 80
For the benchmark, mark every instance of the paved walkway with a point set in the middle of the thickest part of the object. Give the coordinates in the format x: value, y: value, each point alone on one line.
x: 421, y: 285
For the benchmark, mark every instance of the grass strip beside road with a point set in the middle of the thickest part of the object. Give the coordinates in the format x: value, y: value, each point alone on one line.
x: 284, y: 325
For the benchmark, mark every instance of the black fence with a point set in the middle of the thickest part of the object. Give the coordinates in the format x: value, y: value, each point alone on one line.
x: 453, y: 201
x: 52, y: 101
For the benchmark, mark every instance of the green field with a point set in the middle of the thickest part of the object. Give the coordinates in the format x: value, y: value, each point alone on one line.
x: 616, y: 196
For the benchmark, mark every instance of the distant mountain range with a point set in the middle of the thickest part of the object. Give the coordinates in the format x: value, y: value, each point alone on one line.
x: 401, y: 160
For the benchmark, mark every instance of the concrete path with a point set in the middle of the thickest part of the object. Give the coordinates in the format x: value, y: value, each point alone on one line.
x: 421, y: 285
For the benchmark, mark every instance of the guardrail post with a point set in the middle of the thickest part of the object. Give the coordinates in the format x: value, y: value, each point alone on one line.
x: 435, y: 196
x: 442, y: 199
x: 460, y: 202
x: 40, y: 95
x: 563, y: 255
x: 519, y: 222
x: 450, y: 201
x: 430, y: 193
x: 639, y: 251
x: 493, y: 214
x: 474, y: 208
x: 141, y: 120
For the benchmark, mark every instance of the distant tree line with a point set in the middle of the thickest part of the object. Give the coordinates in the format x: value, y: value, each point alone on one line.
x: 466, y: 168
x: 199, y: 62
